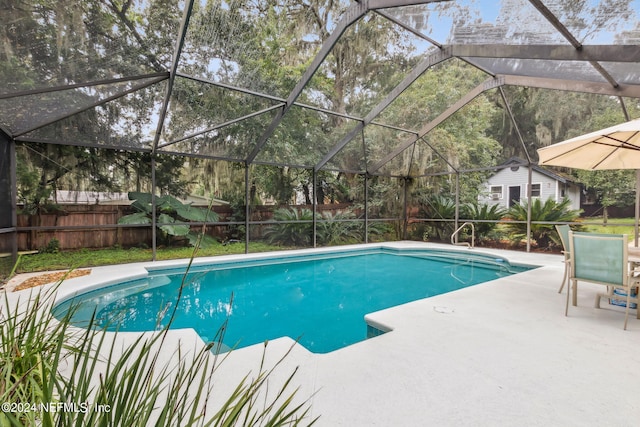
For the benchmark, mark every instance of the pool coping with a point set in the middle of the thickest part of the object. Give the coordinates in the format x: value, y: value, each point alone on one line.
x: 140, y: 270
x: 498, y: 353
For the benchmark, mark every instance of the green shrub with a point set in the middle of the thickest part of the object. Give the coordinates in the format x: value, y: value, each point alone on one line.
x: 170, y: 213
x: 483, y: 212
x: 53, y: 247
x: 548, y: 211
x: 438, y: 207
x: 293, y: 227
x: 238, y: 214
x: 379, y: 230
x: 339, y: 228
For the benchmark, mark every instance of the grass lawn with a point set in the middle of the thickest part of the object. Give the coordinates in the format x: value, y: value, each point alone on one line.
x: 614, y: 226
x: 95, y: 257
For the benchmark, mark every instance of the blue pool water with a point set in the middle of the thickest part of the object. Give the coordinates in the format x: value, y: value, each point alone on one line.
x: 319, y: 299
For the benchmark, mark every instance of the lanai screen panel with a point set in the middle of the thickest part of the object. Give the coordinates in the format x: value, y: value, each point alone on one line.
x: 598, y: 22
x: 378, y: 141
x: 304, y: 136
x: 370, y: 59
x: 623, y: 72
x: 31, y: 111
x: 480, y: 22
x: 431, y: 95
x: 463, y: 21
x: 232, y: 142
x: 593, y: 23
x: 461, y: 132
x: 400, y: 165
x: 540, y: 68
x: 551, y: 116
x: 52, y: 45
x: 418, y: 159
x: 469, y: 140
x: 386, y: 200
x: 249, y: 56
x: 128, y: 122
x: 6, y: 190
x: 518, y: 22
x: 351, y: 158
x: 227, y: 42
x: 197, y: 107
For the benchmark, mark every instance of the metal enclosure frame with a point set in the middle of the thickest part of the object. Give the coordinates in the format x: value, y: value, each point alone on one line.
x: 475, y: 55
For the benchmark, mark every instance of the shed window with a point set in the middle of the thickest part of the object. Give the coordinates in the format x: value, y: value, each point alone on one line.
x: 535, y: 190
x: 496, y: 192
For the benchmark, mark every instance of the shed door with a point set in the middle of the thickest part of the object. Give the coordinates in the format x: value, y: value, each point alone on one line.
x: 514, y: 195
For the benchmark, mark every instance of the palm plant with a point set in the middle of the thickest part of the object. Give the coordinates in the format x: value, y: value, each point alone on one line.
x: 339, y: 228
x: 293, y: 227
x: 439, y: 207
x: 483, y: 212
x: 379, y: 230
x: 543, y: 215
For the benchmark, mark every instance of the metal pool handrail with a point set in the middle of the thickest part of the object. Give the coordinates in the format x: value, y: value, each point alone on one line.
x: 473, y: 235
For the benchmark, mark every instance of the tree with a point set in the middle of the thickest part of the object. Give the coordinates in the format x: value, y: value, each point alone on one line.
x: 611, y: 187
x: 435, y: 207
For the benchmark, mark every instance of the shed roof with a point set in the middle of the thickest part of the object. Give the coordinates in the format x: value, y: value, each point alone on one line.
x: 555, y: 175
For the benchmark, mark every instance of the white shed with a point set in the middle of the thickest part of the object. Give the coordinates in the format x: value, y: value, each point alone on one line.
x: 509, y: 185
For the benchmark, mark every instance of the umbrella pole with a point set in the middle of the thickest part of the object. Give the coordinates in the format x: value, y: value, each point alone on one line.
x: 637, y: 207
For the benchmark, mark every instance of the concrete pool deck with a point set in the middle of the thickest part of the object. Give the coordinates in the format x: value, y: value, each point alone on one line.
x: 500, y: 353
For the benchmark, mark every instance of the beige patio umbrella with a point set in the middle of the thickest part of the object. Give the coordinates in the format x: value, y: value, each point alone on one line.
x: 616, y: 147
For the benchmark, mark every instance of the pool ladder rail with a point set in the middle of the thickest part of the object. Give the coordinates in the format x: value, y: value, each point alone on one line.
x: 454, y: 236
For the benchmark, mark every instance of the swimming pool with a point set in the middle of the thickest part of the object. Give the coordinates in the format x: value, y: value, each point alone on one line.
x: 320, y: 299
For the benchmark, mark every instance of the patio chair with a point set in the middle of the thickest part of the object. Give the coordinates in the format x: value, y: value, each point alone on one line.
x: 601, y: 259
x: 563, y: 232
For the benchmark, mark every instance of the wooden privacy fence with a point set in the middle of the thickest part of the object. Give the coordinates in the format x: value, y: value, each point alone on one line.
x: 96, y: 226
x: 79, y: 226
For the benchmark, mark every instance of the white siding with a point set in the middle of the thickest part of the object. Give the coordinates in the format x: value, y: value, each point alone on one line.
x: 519, y: 177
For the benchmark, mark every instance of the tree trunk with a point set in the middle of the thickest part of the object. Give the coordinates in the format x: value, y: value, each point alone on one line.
x: 307, y: 196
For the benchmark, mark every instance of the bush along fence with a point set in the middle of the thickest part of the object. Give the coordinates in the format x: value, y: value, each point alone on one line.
x: 101, y: 226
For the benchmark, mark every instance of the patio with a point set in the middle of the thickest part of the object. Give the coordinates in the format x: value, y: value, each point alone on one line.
x: 499, y: 353
x: 505, y: 355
